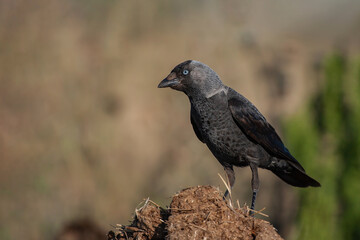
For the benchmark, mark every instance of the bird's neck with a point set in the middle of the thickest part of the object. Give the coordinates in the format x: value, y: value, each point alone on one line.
x: 205, y: 97
x: 216, y: 91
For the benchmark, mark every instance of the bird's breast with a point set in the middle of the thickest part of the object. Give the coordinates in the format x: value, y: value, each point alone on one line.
x: 220, y: 132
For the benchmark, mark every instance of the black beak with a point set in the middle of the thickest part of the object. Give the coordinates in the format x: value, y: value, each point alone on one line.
x: 170, y: 81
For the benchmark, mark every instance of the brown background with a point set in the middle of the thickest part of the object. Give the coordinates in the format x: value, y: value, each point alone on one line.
x: 84, y: 132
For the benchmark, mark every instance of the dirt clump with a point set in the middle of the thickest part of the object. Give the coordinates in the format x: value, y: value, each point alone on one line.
x: 195, y: 213
x: 149, y: 223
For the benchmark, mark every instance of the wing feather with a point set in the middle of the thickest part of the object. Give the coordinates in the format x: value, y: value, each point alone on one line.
x: 257, y: 129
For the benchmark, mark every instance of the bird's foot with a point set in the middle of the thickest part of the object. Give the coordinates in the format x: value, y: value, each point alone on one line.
x: 253, y: 203
x: 227, y: 198
x: 225, y: 195
x: 251, y: 212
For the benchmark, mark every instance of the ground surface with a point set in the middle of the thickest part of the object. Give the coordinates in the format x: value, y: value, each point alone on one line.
x: 195, y: 213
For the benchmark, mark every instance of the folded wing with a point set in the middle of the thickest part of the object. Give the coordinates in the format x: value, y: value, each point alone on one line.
x: 257, y: 129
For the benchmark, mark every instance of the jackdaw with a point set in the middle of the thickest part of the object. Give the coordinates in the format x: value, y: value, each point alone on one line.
x: 234, y: 130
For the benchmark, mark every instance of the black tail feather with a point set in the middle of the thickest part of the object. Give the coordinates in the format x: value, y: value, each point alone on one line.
x: 296, y: 177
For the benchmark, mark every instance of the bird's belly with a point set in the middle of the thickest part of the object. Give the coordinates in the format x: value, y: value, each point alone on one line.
x: 225, y: 139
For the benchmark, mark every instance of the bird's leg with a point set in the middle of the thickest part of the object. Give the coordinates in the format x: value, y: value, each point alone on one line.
x: 254, y: 185
x: 231, y: 177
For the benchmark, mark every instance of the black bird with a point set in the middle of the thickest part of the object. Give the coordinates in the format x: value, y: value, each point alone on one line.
x: 233, y: 128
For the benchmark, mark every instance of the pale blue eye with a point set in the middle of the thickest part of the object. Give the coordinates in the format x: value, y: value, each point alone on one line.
x: 186, y: 72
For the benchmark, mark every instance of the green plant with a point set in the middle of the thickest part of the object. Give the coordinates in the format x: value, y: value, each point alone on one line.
x: 326, y: 136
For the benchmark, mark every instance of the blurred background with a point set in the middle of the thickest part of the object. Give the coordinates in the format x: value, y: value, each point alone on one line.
x: 85, y: 135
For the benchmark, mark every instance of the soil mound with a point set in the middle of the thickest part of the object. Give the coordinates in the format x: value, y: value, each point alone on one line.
x: 195, y: 213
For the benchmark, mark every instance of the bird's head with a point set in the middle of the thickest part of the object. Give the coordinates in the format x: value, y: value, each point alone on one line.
x: 193, y: 78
